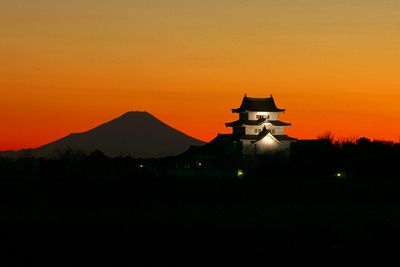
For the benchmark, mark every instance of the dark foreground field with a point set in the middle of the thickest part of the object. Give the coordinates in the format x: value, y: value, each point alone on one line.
x: 187, y: 222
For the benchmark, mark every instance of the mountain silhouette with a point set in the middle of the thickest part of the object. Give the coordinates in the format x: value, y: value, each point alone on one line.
x: 137, y: 134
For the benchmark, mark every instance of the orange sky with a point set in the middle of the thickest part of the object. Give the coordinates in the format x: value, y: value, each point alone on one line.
x: 67, y: 66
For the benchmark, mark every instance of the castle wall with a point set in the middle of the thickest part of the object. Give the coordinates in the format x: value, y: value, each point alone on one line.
x: 251, y: 129
x: 272, y: 115
x: 277, y: 129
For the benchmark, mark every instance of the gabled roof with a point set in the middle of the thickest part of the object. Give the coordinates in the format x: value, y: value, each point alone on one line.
x: 258, y: 137
x: 262, y: 134
x: 257, y: 104
x: 222, y: 146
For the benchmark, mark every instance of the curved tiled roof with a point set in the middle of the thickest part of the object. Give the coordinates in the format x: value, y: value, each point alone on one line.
x: 279, y: 123
x: 256, y: 137
x: 264, y: 133
x: 257, y: 104
x: 256, y: 122
x: 245, y: 122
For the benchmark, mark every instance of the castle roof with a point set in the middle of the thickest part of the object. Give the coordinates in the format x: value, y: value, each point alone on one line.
x: 284, y: 137
x: 258, y: 137
x: 256, y: 122
x: 264, y: 133
x: 279, y: 123
x: 257, y: 104
x: 246, y: 122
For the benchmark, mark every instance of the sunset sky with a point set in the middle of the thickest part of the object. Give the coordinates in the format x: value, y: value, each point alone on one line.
x: 68, y: 65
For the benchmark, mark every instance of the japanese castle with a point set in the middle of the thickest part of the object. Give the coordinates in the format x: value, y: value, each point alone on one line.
x: 258, y: 129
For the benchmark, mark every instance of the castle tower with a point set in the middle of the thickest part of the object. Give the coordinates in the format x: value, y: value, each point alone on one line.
x: 258, y: 128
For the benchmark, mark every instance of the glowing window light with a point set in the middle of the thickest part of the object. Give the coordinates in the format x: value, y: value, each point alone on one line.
x: 240, y: 173
x: 340, y: 175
